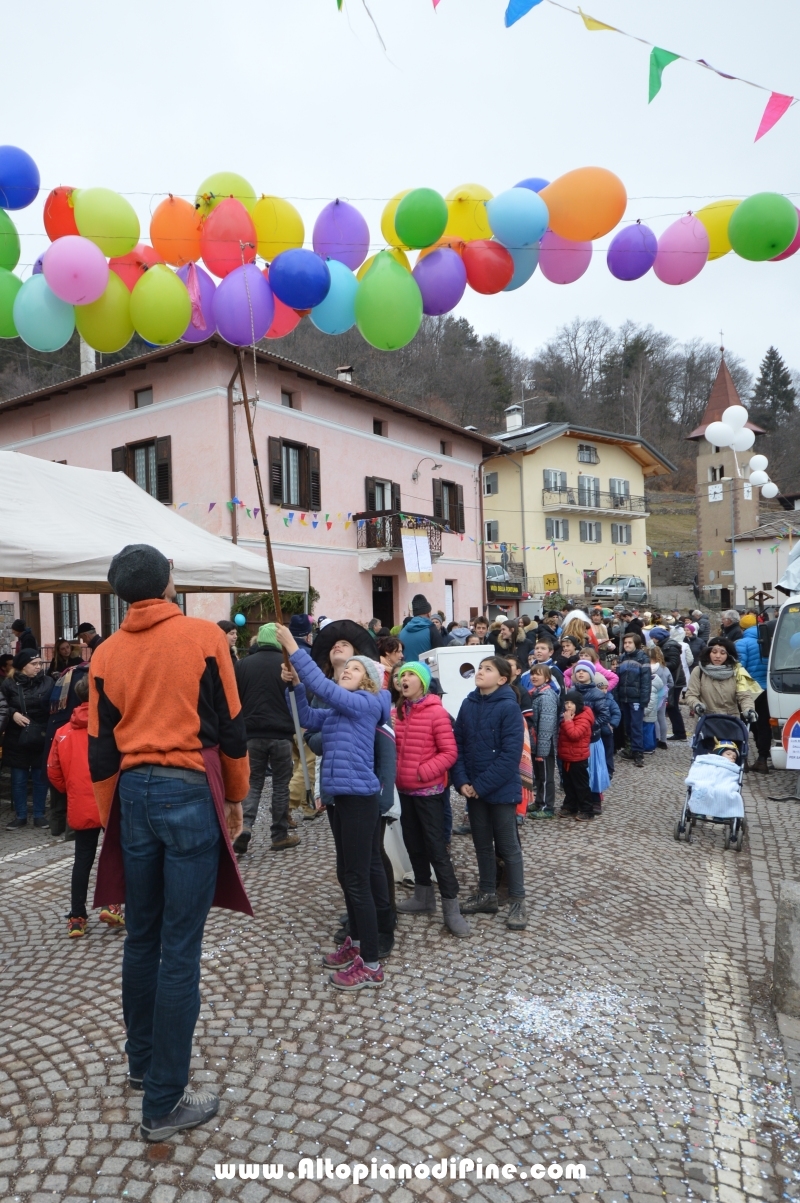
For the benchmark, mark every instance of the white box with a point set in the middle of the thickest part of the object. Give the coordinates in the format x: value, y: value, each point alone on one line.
x: 455, y: 669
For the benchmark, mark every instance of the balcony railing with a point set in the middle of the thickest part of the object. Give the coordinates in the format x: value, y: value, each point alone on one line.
x: 594, y: 502
x: 382, y: 530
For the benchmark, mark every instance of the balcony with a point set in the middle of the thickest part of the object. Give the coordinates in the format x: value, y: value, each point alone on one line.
x: 381, y: 531
x: 592, y: 501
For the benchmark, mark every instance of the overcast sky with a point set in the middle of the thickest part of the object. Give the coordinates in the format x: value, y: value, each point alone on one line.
x: 303, y: 101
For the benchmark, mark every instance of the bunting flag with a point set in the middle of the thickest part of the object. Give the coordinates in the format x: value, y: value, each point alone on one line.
x: 777, y: 105
x: 659, y: 59
x: 211, y: 505
x: 594, y: 25
x: 517, y: 9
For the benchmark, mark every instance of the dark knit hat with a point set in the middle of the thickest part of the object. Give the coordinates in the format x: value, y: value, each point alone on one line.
x: 85, y: 628
x: 139, y: 572
x: 420, y: 605
x: 18, y: 625
x: 300, y: 625
x: 24, y: 657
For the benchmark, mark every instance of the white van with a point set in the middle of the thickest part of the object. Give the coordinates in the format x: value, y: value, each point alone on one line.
x: 783, y: 676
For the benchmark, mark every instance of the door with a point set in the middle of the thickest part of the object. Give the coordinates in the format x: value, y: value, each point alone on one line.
x: 383, y: 599
x: 29, y: 613
x: 449, y: 602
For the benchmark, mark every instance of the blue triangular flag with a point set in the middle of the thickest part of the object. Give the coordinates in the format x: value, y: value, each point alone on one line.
x: 518, y: 8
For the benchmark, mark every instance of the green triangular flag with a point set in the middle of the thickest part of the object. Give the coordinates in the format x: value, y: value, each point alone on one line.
x: 659, y: 59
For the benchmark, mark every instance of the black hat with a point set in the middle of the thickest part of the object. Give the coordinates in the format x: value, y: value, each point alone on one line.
x: 139, y: 572
x: 18, y: 625
x: 300, y: 625
x: 576, y: 697
x: 24, y: 657
x: 85, y: 628
x: 343, y: 628
x: 420, y: 604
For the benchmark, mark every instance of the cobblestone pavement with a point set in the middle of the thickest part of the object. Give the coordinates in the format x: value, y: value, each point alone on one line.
x: 629, y: 1028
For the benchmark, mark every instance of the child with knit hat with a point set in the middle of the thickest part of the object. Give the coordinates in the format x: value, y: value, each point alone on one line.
x: 426, y: 750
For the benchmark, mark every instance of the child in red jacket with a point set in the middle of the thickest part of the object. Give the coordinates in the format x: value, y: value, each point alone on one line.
x: 426, y: 750
x: 68, y: 770
x: 574, y: 739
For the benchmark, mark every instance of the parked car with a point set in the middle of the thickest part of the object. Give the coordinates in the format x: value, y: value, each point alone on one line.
x: 621, y: 588
x: 496, y: 572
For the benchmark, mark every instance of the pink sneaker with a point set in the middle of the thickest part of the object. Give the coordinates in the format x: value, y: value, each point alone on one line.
x: 357, y: 977
x: 343, y: 957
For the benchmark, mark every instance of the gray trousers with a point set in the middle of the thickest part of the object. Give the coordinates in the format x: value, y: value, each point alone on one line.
x: 495, y: 833
x: 275, y: 754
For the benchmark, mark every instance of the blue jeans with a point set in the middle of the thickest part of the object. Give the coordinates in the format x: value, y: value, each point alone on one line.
x: 19, y: 792
x: 633, y: 720
x: 171, y: 842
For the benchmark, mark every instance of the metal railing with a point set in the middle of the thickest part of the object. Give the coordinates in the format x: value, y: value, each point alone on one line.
x: 592, y: 499
x: 382, y: 530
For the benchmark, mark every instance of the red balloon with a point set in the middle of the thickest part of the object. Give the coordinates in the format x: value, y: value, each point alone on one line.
x: 59, y: 215
x: 792, y: 248
x: 285, y: 319
x: 489, y: 265
x: 228, y: 239
x: 131, y: 267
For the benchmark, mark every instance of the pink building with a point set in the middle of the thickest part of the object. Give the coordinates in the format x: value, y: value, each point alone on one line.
x: 339, y: 466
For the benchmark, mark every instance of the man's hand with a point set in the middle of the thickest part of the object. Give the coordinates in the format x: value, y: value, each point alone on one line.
x: 233, y: 818
x: 21, y: 720
x: 467, y: 791
x: 289, y: 674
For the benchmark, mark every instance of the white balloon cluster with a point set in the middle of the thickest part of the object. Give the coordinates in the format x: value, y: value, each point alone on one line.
x: 732, y: 432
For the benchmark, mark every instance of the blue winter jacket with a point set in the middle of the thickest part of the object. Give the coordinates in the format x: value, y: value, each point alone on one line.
x: 750, y: 656
x: 597, y: 701
x: 614, y: 712
x: 635, y: 679
x: 489, y: 734
x: 419, y: 635
x: 347, y: 721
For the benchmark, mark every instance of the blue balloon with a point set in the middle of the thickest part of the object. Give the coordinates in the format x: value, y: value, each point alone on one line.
x: 337, y: 312
x: 794, y: 642
x: 535, y: 183
x: 42, y: 320
x: 518, y: 218
x: 525, y: 261
x: 300, y: 278
x: 240, y: 620
x: 19, y: 178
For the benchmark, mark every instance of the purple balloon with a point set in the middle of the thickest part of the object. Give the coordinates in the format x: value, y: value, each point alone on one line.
x: 632, y: 252
x: 201, y: 291
x: 534, y: 182
x: 243, y: 306
x: 340, y: 232
x: 37, y: 267
x: 441, y: 278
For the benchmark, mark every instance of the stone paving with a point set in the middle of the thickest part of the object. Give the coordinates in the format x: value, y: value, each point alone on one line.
x: 628, y: 1029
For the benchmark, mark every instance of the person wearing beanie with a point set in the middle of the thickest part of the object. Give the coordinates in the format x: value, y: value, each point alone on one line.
x: 596, y: 701
x: 614, y: 720
x: 426, y: 751
x: 25, y: 636
x: 269, y: 738
x: 300, y: 626
x: 89, y: 636
x: 231, y: 632
x: 574, y: 745
x: 347, y: 717
x: 420, y: 634
x: 169, y: 767
x: 26, y: 696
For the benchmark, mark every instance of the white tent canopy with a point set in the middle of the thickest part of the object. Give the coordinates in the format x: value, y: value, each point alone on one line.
x: 790, y: 581
x: 60, y: 527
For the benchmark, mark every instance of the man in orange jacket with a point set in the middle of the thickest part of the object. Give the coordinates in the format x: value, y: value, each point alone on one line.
x: 166, y: 736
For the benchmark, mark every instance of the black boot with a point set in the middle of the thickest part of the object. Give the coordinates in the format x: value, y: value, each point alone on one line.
x: 387, y: 922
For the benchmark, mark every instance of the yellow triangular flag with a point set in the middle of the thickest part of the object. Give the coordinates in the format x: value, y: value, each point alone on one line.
x: 590, y: 22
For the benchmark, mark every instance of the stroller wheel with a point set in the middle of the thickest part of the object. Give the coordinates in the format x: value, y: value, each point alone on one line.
x: 739, y: 840
x: 726, y: 839
x: 677, y: 830
x: 688, y: 834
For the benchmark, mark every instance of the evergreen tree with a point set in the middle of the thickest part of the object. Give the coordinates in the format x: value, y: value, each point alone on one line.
x: 773, y: 395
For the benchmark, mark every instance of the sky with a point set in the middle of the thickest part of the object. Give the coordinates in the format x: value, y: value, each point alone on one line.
x: 304, y: 102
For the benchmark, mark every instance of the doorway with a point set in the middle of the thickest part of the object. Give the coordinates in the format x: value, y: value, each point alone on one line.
x: 449, y: 602
x: 29, y: 613
x: 383, y: 599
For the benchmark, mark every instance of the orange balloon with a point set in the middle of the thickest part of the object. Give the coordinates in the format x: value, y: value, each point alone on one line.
x: 455, y: 244
x: 175, y: 231
x: 585, y: 204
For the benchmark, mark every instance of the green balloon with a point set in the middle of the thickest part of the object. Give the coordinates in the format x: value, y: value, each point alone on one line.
x: 106, y: 323
x: 388, y: 304
x: 9, y: 242
x: 160, y: 306
x: 762, y: 226
x: 420, y: 218
x: 9, y: 287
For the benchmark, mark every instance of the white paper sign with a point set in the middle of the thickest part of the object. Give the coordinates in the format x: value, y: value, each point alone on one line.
x: 416, y: 554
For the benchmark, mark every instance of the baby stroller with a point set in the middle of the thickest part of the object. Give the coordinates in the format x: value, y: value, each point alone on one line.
x: 709, y: 729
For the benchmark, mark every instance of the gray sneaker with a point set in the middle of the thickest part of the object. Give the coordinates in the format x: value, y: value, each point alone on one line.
x: 517, y: 917
x: 480, y: 904
x: 196, y: 1107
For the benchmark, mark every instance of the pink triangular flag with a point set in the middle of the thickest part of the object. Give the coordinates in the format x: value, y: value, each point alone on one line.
x: 776, y: 107
x: 193, y: 288
x: 435, y: 4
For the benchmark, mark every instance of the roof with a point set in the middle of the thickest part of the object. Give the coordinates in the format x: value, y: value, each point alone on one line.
x: 116, y: 370
x: 723, y: 394
x: 530, y: 438
x: 777, y: 528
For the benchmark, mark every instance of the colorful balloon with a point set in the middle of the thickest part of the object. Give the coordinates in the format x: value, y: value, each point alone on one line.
x: 279, y: 227
x: 228, y: 239
x: 243, y: 306
x: 395, y: 252
x: 387, y: 220
x: 300, y: 278
x: 75, y: 269
x: 518, y: 218
x: 19, y: 178
x: 59, y: 214
x: 467, y: 218
x: 131, y: 267
x: 160, y: 306
x: 632, y: 252
x: 585, y: 204
x: 388, y: 305
x: 201, y: 289
x: 792, y: 248
x: 534, y: 182
x: 341, y: 233
x: 221, y: 186
x: 36, y: 270
x: 525, y: 263
x: 562, y: 261
x: 682, y: 252
x: 9, y: 287
x: 453, y: 244
x: 175, y: 230
x: 442, y: 279
x: 107, y: 219
x: 337, y: 313
x: 106, y: 324
x: 489, y: 266
x: 715, y: 217
x: 763, y: 226
x: 9, y: 242
x: 43, y: 321
x: 420, y: 218
x: 284, y: 319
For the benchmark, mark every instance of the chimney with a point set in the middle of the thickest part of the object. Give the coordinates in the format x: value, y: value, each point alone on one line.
x: 513, y: 417
x: 88, y: 359
x: 345, y: 373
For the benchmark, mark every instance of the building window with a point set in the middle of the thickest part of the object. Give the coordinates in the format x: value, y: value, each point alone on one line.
x: 379, y: 427
x: 618, y: 487
x: 553, y: 480
x: 294, y: 475
x: 587, y: 454
x: 66, y: 615
x: 591, y: 532
x: 621, y: 532
x: 766, y: 586
x: 445, y: 448
x: 148, y: 464
x: 557, y: 529
x: 381, y: 496
x: 180, y: 602
x: 286, y: 400
x: 448, y: 504
x: 589, y: 490
x: 490, y: 485
x: 142, y: 397
x: 491, y: 532
x: 112, y: 613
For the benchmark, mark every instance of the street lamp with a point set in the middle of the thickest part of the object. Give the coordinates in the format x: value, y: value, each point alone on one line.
x: 415, y: 473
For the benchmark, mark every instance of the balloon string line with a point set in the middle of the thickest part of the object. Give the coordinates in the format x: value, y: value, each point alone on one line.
x: 242, y: 246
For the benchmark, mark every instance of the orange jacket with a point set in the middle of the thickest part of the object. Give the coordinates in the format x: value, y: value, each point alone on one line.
x: 68, y: 770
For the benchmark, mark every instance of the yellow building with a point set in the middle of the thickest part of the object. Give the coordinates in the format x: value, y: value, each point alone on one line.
x: 564, y: 507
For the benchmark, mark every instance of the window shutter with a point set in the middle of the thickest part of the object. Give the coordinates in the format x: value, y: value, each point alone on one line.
x: 548, y: 528
x: 438, y: 505
x: 598, y: 532
x: 305, y: 479
x: 396, y: 498
x: 628, y: 538
x: 565, y: 529
x: 314, y: 480
x: 615, y: 532
x: 164, y: 469
x: 583, y: 526
x: 460, y: 527
x: 369, y: 493
x: 548, y: 478
x: 118, y: 459
x: 275, y: 471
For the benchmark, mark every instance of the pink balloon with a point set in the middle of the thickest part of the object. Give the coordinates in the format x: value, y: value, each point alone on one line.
x: 75, y: 269
x: 682, y: 251
x: 792, y: 248
x: 562, y: 261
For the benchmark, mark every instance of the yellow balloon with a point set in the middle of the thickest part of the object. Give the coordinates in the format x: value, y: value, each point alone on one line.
x: 106, y: 219
x: 279, y: 227
x: 219, y: 187
x: 394, y: 251
x: 467, y: 218
x: 160, y: 306
x: 106, y: 324
x: 715, y: 218
x: 387, y: 221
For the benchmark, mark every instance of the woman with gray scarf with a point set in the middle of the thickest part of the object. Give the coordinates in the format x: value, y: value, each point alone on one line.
x: 719, y: 685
